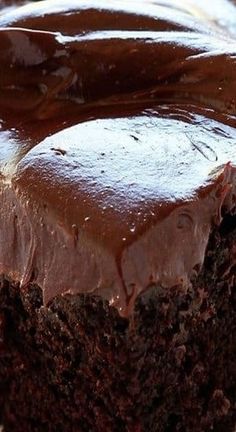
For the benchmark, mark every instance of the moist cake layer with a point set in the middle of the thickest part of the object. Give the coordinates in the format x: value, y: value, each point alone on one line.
x: 76, y: 365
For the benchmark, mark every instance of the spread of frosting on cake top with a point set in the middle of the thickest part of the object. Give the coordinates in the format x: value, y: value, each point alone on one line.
x: 117, y: 141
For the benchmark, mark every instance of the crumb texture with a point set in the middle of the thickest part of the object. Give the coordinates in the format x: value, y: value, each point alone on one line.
x: 77, y: 366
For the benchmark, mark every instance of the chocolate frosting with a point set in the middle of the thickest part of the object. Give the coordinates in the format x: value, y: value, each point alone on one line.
x: 118, y: 143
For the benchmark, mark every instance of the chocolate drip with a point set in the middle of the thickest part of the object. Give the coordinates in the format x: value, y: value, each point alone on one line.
x: 117, y: 142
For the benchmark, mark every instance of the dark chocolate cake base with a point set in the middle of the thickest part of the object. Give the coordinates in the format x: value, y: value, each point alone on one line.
x: 77, y: 366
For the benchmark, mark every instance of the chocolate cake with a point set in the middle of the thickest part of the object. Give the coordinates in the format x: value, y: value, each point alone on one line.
x: 118, y: 216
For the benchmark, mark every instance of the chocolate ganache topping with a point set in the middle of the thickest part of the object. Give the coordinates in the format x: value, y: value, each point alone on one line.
x: 117, y: 140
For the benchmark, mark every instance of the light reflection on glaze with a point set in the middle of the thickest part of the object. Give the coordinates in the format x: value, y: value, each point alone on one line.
x: 159, y: 64
x: 135, y: 158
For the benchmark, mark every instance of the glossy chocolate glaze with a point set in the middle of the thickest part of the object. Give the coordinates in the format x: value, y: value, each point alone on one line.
x: 118, y: 143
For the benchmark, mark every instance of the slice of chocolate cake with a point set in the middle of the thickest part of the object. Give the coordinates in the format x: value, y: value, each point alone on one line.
x: 118, y: 217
